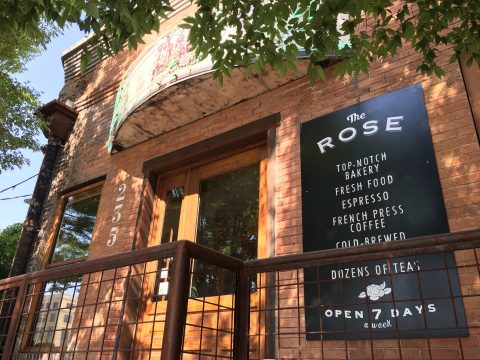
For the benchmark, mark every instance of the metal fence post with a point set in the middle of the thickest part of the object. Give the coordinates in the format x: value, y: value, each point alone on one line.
x: 242, y: 315
x: 177, y: 304
x: 14, y: 321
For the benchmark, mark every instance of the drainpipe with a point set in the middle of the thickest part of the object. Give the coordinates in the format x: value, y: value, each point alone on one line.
x: 60, y: 119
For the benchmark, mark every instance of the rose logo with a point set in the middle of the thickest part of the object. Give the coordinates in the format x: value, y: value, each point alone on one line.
x: 375, y: 292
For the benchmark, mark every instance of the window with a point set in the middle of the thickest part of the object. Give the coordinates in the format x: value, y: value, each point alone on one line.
x: 49, y: 321
x: 63, y: 332
x: 76, y: 229
x: 223, y: 213
x: 232, y: 230
x: 71, y: 242
x: 49, y: 335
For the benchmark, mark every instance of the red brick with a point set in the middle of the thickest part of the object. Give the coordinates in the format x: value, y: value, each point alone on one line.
x: 456, y: 150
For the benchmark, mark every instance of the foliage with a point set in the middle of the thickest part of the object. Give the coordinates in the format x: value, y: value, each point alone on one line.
x: 75, y: 233
x: 18, y: 124
x: 266, y: 32
x: 232, y: 230
x: 250, y: 33
x: 272, y: 32
x: 114, y: 23
x: 8, y: 244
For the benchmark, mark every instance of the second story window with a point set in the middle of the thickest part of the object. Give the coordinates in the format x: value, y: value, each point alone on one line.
x: 76, y: 229
x: 50, y: 319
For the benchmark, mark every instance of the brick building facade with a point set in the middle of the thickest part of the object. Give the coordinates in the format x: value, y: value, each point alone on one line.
x: 267, y: 127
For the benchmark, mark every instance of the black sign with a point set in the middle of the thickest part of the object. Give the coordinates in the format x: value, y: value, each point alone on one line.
x: 369, y: 176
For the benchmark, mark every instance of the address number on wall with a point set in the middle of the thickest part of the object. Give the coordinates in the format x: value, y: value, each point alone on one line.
x: 117, y: 214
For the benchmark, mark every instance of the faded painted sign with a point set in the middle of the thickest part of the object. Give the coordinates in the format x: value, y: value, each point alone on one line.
x: 166, y: 62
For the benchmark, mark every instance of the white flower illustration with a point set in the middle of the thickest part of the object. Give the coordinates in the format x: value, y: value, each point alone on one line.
x: 375, y: 292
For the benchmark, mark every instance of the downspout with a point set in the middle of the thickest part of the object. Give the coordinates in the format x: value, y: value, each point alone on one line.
x: 60, y: 119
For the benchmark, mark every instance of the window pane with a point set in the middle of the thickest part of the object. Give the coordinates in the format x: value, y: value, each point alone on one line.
x: 173, y: 205
x: 75, y: 233
x: 227, y: 222
x: 56, y: 313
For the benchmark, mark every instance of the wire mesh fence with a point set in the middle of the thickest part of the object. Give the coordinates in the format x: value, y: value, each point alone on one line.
x: 182, y: 300
x: 370, y: 304
x: 117, y: 307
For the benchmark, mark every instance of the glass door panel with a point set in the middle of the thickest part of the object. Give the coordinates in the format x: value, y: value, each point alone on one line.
x: 228, y: 223
x: 221, y: 205
x: 171, y: 201
x: 171, y: 220
x: 228, y: 213
x: 166, y: 226
x: 173, y: 198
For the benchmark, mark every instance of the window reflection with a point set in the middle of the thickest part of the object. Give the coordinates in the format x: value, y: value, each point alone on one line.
x: 228, y: 222
x: 54, y: 319
x: 76, y: 229
x: 173, y: 205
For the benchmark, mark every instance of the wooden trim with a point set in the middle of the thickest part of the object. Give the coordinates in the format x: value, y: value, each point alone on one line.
x: 58, y: 217
x: 145, y: 212
x: 471, y: 79
x: 240, y: 160
x: 263, y: 249
x: 184, y: 209
x: 221, y: 146
x: 85, y: 186
x: 57, y: 221
x: 66, y: 262
x: 190, y: 177
x: 232, y: 140
x: 158, y: 211
x: 156, y: 216
x: 270, y: 344
x: 215, y: 168
x: 49, y: 248
x: 271, y: 191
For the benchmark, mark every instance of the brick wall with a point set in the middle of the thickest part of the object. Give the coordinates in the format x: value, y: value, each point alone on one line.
x: 455, y: 141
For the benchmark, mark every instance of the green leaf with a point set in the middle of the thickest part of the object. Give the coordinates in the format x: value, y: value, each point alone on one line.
x: 438, y: 71
x: 409, y: 30
x: 92, y: 10
x: 292, y: 66
x: 85, y: 60
x: 190, y: 20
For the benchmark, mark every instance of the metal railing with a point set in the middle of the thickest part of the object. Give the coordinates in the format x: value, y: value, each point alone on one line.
x: 116, y: 307
x: 183, y: 300
x: 291, y: 326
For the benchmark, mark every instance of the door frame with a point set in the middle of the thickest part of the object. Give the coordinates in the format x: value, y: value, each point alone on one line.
x: 189, y: 178
x: 259, y: 132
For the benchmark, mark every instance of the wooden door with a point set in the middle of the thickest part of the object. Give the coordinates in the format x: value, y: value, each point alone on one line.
x: 167, y: 226
x: 222, y: 205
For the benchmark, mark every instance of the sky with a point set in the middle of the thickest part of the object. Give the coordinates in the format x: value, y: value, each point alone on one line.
x: 45, y: 74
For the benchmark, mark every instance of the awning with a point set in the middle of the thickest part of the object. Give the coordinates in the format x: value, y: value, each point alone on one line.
x: 167, y: 87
